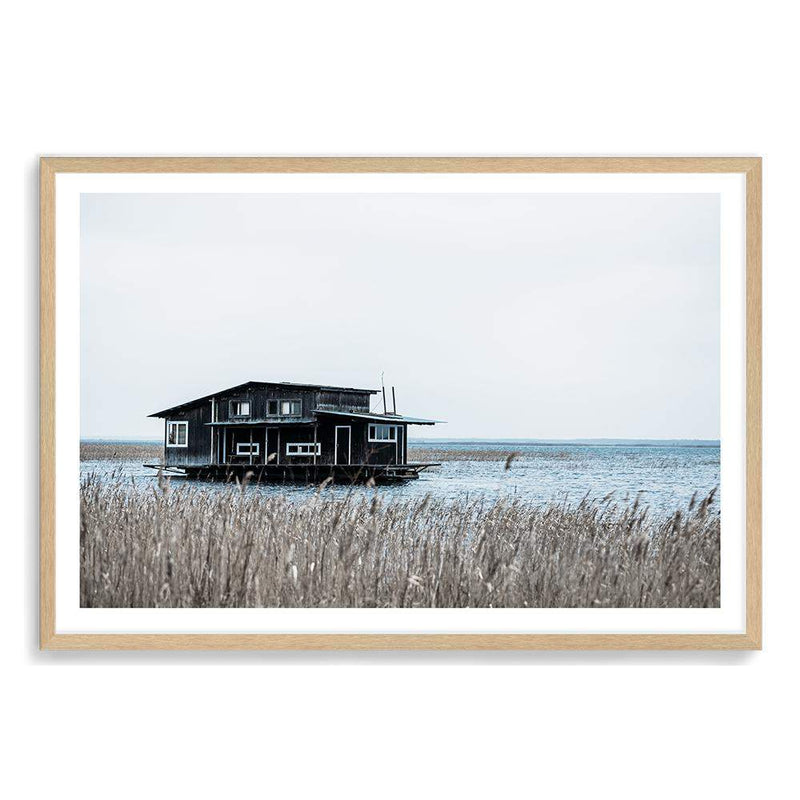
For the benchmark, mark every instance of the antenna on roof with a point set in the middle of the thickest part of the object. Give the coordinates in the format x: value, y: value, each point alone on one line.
x: 383, y: 391
x: 394, y: 403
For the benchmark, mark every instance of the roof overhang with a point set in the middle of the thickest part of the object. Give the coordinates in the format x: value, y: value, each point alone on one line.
x: 386, y: 419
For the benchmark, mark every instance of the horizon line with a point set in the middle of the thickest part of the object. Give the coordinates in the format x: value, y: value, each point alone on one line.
x: 538, y: 440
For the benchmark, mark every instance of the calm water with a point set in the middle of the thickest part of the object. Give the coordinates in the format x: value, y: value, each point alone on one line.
x: 664, y: 475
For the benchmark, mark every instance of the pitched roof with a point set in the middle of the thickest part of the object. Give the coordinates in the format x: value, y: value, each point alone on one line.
x: 260, y: 384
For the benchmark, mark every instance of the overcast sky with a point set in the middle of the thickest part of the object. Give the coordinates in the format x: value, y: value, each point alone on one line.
x: 507, y: 315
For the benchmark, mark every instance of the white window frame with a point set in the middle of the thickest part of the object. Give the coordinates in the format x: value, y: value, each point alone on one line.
x: 302, y: 448
x: 234, y: 403
x: 253, y: 448
x: 178, y: 423
x: 373, y: 429
x: 280, y: 402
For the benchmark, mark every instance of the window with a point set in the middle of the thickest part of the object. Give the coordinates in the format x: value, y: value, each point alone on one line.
x: 247, y: 448
x: 303, y: 449
x: 177, y: 434
x: 284, y: 408
x: 240, y: 408
x: 291, y: 408
x: 383, y: 433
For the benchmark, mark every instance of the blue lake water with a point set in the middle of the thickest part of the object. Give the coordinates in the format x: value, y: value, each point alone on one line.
x: 664, y: 475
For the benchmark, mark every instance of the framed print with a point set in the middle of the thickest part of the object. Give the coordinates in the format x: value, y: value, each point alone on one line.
x: 400, y: 403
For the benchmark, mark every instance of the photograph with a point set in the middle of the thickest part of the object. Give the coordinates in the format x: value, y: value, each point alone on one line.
x: 400, y: 400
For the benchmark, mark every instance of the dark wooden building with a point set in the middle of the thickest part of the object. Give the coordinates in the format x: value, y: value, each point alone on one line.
x: 287, y: 430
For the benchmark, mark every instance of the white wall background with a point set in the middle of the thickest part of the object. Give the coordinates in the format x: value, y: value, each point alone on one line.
x: 415, y: 78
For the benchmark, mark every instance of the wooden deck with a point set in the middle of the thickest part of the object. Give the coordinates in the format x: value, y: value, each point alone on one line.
x: 298, y: 473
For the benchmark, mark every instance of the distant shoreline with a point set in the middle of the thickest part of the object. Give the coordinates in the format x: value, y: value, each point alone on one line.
x: 713, y: 443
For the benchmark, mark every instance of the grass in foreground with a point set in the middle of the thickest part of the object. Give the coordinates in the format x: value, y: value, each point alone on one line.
x: 233, y: 548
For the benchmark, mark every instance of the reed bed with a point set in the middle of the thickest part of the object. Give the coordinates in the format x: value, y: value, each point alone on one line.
x: 121, y: 451
x: 419, y: 454
x: 185, y: 547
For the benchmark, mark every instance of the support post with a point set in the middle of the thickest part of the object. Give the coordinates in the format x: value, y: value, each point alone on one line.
x: 211, y: 430
x: 315, y: 443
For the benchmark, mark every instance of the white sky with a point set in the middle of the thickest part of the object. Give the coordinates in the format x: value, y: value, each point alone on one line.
x: 509, y: 316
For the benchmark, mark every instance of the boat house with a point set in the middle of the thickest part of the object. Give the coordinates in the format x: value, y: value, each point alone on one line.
x: 292, y: 431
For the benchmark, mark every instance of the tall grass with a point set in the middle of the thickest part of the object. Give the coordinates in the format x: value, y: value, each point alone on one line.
x: 121, y: 451
x: 185, y: 547
x: 435, y: 454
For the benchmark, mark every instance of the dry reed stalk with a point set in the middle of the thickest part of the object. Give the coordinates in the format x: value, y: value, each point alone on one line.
x: 234, y: 547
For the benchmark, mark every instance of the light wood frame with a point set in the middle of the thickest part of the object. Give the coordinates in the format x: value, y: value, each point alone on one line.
x: 750, y: 167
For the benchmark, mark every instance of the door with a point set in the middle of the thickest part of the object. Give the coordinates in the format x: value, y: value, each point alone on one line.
x: 342, y: 449
x: 273, y: 454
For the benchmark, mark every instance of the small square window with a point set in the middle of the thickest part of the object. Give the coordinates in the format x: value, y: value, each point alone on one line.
x: 177, y: 434
x: 240, y: 408
x: 284, y: 408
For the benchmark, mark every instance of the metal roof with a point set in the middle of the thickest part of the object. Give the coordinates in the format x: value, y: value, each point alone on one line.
x: 260, y: 384
x: 385, y: 418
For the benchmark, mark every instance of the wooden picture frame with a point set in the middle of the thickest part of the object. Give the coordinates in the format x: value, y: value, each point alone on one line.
x: 50, y: 168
